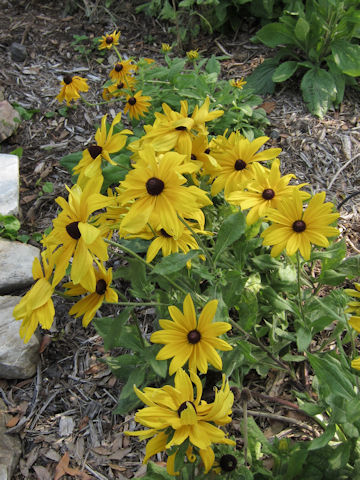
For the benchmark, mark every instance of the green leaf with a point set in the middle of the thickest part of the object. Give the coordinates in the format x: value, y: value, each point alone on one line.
x: 303, y: 338
x: 265, y: 262
x: 122, y: 365
x: 159, y: 366
x: 213, y: 66
x: 346, y: 57
x: 128, y: 400
x: 331, y: 277
x: 284, y: 71
x: 18, y: 151
x: 324, y: 439
x: 260, y: 81
x: 10, y: 223
x: 156, y: 472
x: 319, y: 90
x: 302, y: 29
x: 111, y: 329
x: 231, y: 230
x: 173, y: 263
x: 350, y: 266
x: 275, y: 34
x: 340, y: 456
x: 48, y: 187
x: 69, y: 161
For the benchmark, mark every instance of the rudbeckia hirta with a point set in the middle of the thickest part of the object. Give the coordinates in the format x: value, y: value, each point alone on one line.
x: 71, y: 88
x: 296, y: 229
x: 267, y: 190
x: 107, y: 41
x: 189, y: 339
x: 122, y: 70
x: 174, y: 415
x: 238, y: 83
x: 88, y: 305
x: 354, y: 306
x: 192, y: 54
x: 137, y: 105
x: 119, y: 89
x: 36, y: 306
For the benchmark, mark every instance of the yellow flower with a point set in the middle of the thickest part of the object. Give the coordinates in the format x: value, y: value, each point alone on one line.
x: 74, y: 236
x: 157, y: 187
x: 201, y: 115
x: 267, y: 190
x: 36, y: 306
x: 235, y: 156
x: 137, y: 105
x: 354, y: 306
x: 107, y: 41
x: 175, y: 414
x: 295, y: 229
x: 189, y: 339
x: 356, y: 363
x: 165, y: 47
x: 106, y: 142
x: 192, y: 54
x: 89, y: 305
x: 119, y: 89
x: 238, y: 83
x: 71, y: 88
x: 122, y: 70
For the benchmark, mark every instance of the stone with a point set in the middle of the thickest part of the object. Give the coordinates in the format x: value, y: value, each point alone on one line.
x: 17, y: 359
x: 9, y: 184
x: 10, y: 446
x: 9, y: 120
x: 18, y: 52
x: 16, y: 261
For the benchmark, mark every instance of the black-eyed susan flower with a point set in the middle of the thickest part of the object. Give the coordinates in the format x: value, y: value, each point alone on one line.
x: 109, y: 40
x: 353, y: 306
x: 201, y: 115
x: 157, y: 187
x: 106, y: 142
x: 356, y: 363
x: 36, y: 306
x: 267, y: 190
x: 187, y: 338
x: 235, y: 156
x: 119, y: 89
x: 88, y: 305
x: 238, y: 83
x: 137, y: 105
x: 192, y: 55
x: 74, y: 236
x: 122, y: 70
x: 294, y: 228
x: 174, y: 415
x: 165, y: 48
x: 71, y: 86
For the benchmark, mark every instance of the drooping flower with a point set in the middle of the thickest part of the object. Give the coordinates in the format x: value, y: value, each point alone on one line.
x: 192, y: 54
x: 119, y: 89
x: 71, y: 86
x: 106, y: 142
x: 107, y: 41
x: 267, y: 190
x: 36, y: 306
x: 75, y: 236
x: 174, y: 415
x: 201, y: 115
x: 354, y: 306
x: 189, y: 339
x: 88, y: 305
x: 296, y: 229
x: 238, y: 83
x: 235, y: 156
x: 157, y: 186
x: 165, y: 47
x: 122, y: 71
x: 137, y: 105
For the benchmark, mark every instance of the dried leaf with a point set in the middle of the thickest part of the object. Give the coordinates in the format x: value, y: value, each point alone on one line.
x: 42, y: 473
x: 46, y: 340
x: 13, y: 421
x: 268, y: 106
x: 61, y: 467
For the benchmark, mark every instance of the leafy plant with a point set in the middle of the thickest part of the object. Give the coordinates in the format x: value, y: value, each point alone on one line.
x: 318, y: 38
x: 9, y: 226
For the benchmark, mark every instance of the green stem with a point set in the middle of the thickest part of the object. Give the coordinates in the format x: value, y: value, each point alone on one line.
x: 138, y: 304
x: 117, y: 53
x: 98, y: 103
x: 299, y: 287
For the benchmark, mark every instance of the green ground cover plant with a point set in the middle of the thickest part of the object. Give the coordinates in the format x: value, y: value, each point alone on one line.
x: 182, y: 214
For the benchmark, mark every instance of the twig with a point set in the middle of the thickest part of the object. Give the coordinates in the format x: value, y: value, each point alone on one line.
x: 96, y: 474
x: 218, y: 44
x: 6, y: 400
x: 48, y: 401
x: 340, y: 170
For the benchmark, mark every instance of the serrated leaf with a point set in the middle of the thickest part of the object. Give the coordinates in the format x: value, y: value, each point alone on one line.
x: 319, y: 90
x: 231, y: 230
x: 346, y: 57
x: 213, y: 65
x: 111, y: 329
x: 285, y: 71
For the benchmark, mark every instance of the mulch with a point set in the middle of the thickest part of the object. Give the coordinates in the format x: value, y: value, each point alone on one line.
x: 68, y: 406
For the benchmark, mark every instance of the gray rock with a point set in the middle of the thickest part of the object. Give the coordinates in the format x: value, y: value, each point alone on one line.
x: 17, y: 360
x: 18, y: 52
x: 9, y: 184
x: 9, y: 120
x: 16, y: 261
x: 10, y: 447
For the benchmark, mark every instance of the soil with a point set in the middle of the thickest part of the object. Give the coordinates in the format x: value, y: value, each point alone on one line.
x: 68, y: 406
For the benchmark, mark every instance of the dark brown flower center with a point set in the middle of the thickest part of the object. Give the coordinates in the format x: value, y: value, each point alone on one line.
x: 101, y: 286
x: 119, y: 67
x: 268, y: 194
x: 67, y: 79
x: 120, y: 85
x: 180, y: 127
x: 164, y: 233
x: 228, y: 463
x: 299, y: 226
x: 154, y: 186
x: 109, y: 39
x: 132, y: 100
x: 194, y: 336
x: 240, y: 164
x: 184, y: 406
x: 95, y: 151
x: 207, y: 151
x: 73, y: 230
x: 193, y: 157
